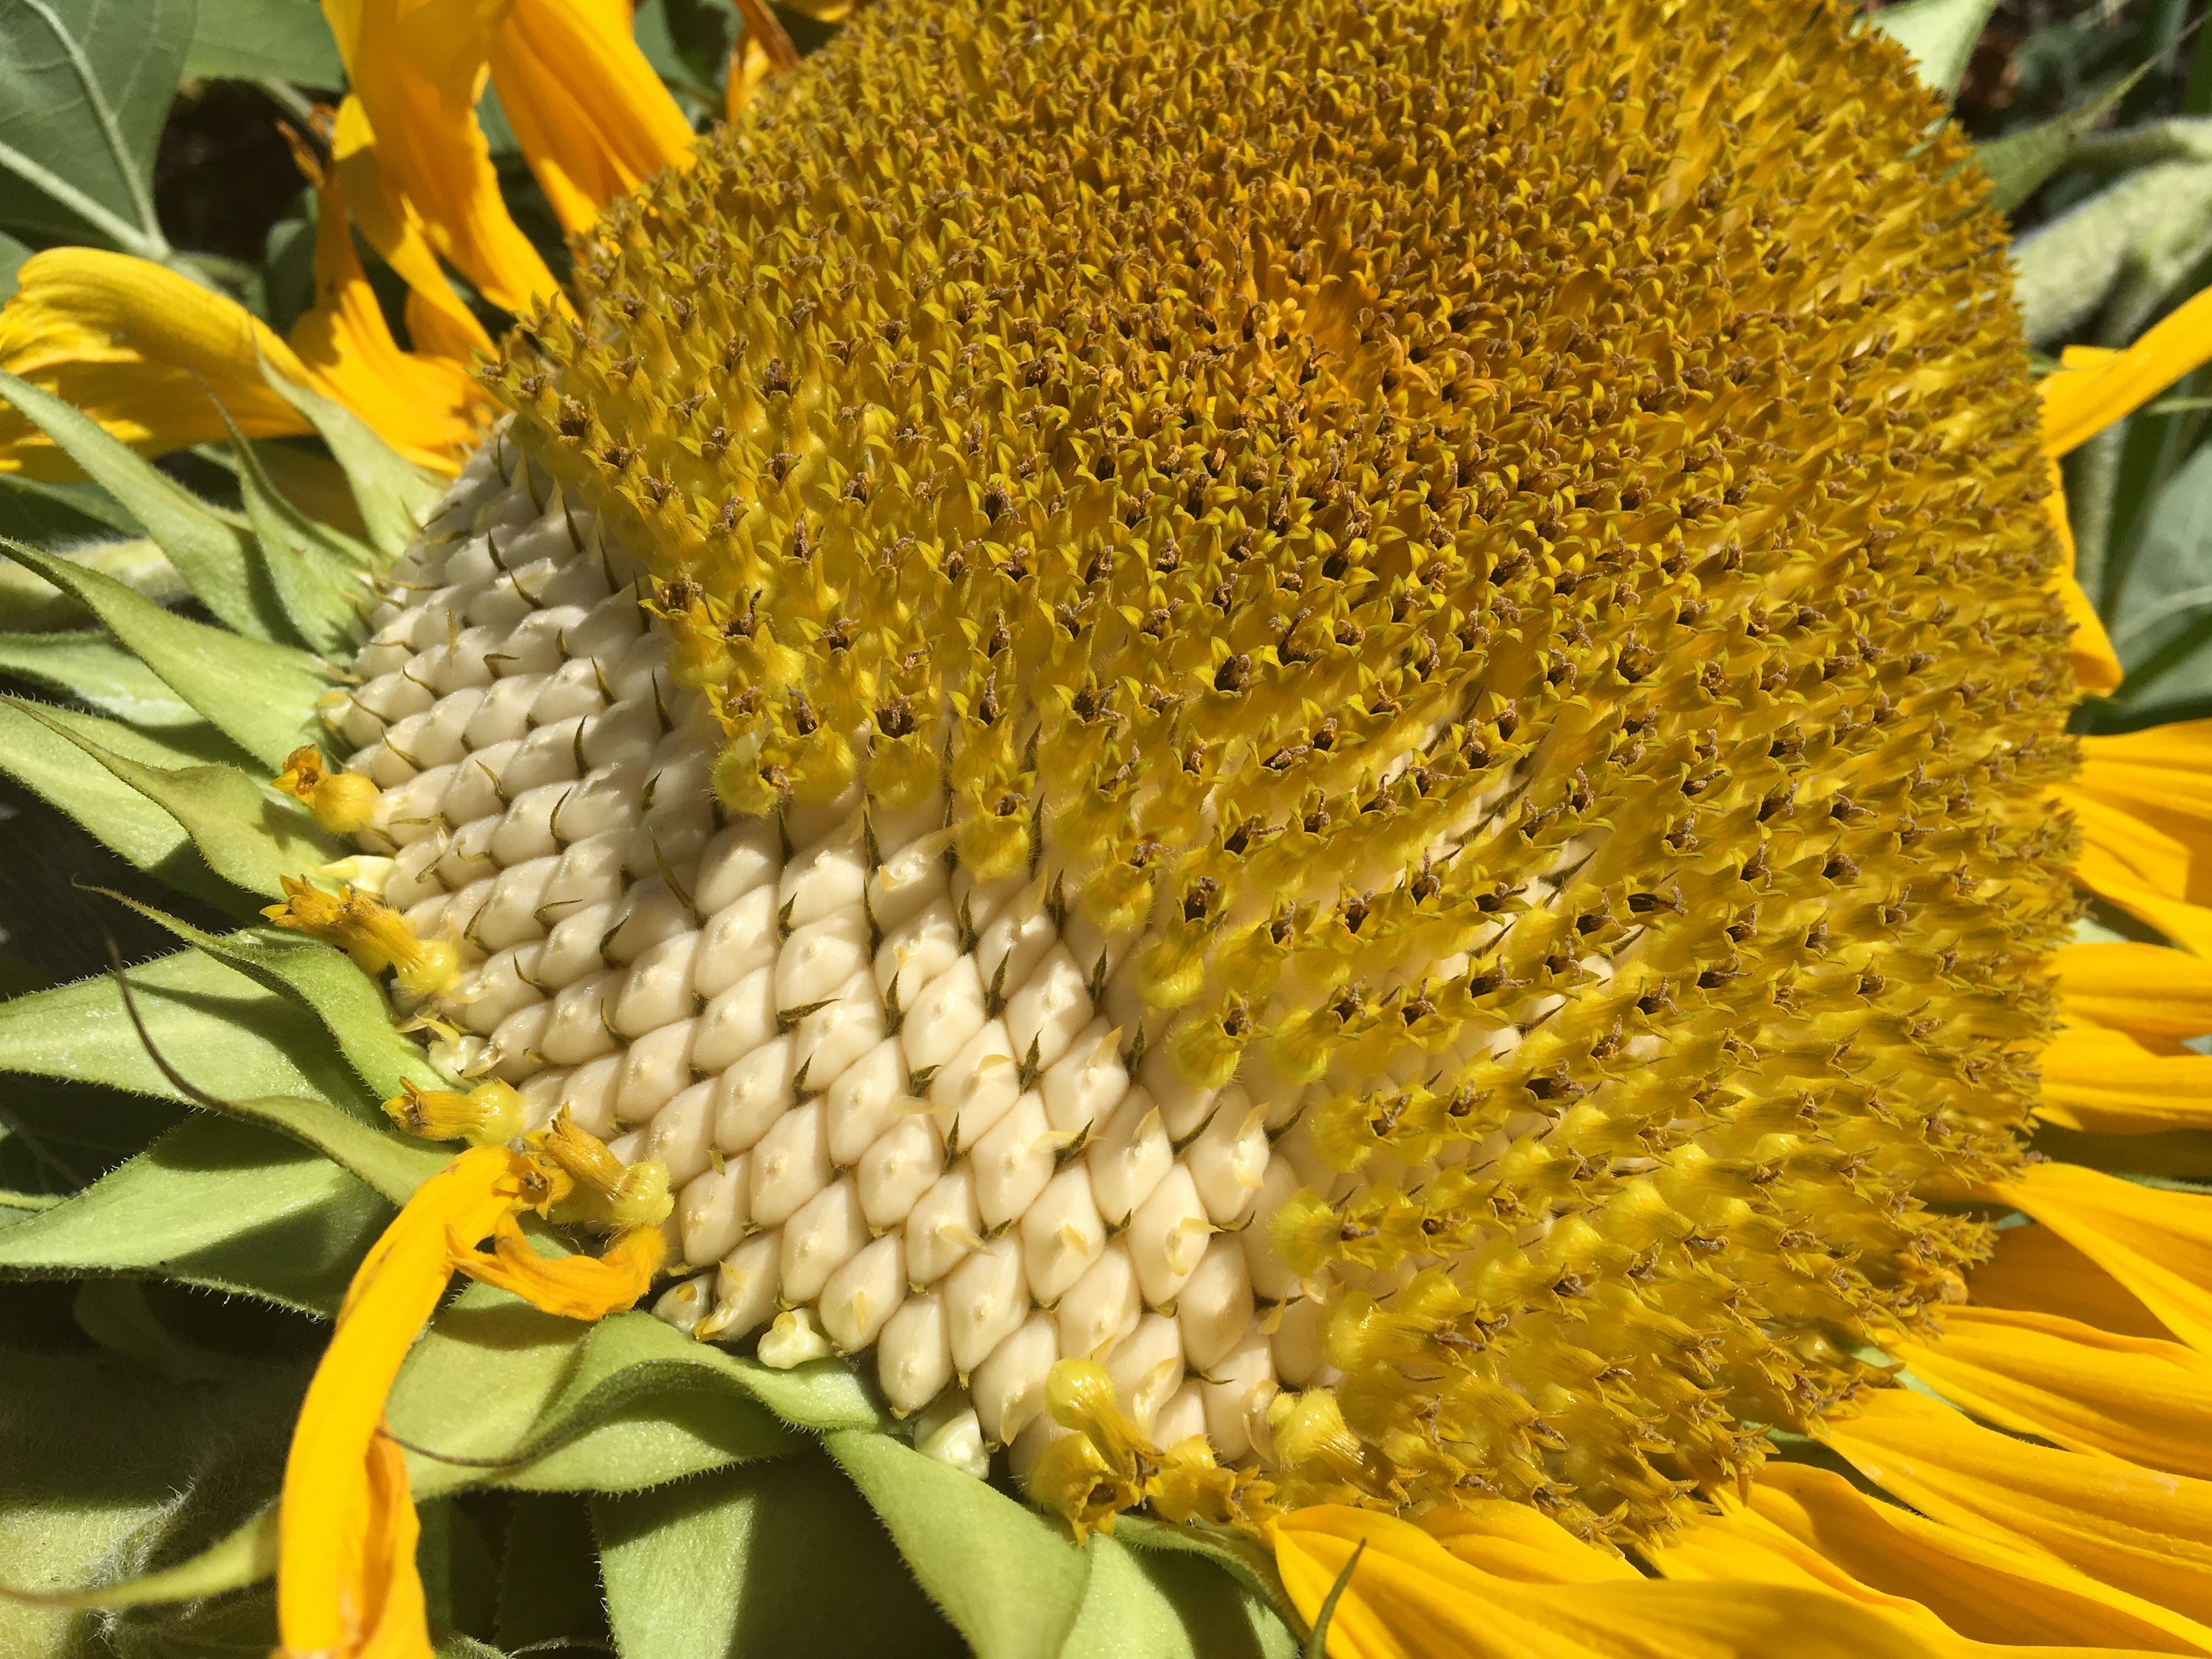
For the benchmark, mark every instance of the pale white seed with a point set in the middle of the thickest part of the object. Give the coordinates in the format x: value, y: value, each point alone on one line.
x: 745, y: 1287
x: 738, y: 938
x: 742, y: 859
x: 1128, y: 1158
x: 794, y: 1340
x: 942, y: 1227
x: 791, y: 1163
x: 862, y: 1295
x: 826, y: 1232
x: 1182, y: 1416
x: 1051, y: 1005
x: 986, y: 1299
x: 980, y: 1084
x: 1147, y: 1367
x: 1229, y: 1160
x: 1008, y: 1387
x: 1214, y: 1307
x: 897, y: 1170
x: 818, y: 959
x: 1061, y: 1235
x: 683, y: 1136
x: 1168, y: 1237
x: 752, y: 1094
x: 948, y: 1432
x: 915, y: 952
x: 715, y: 1209
x: 914, y: 1356
x: 1237, y: 1397
x: 867, y: 1101
x: 1270, y: 1278
x: 1300, y: 1357
x: 658, y: 989
x: 942, y: 1017
x: 825, y: 880
x: 1083, y: 1086
x: 684, y: 1304
x: 737, y: 1022
x: 830, y: 1040
x: 1102, y: 1307
x: 577, y: 1030
x: 656, y: 1066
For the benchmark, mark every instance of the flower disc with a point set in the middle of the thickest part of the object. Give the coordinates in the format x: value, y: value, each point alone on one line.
x: 1349, y: 705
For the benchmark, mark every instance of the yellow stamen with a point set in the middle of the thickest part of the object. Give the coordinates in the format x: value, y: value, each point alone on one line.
x: 342, y: 802
x: 1107, y: 1465
x: 608, y: 1193
x: 375, y: 937
x: 487, y: 1114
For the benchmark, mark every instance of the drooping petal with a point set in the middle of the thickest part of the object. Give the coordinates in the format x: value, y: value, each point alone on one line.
x: 342, y: 1575
x: 593, y: 118
x: 1741, y: 1546
x: 2106, y: 1083
x: 2146, y: 1533
x: 1515, y: 1541
x: 438, y: 319
x: 426, y: 408
x: 2079, y: 403
x: 2096, y: 665
x: 2146, y: 989
x: 2037, y: 1270
x: 577, y: 1286
x: 2148, y: 1401
x: 2139, y: 868
x: 418, y: 67
x: 143, y: 351
x: 1409, y: 1598
x: 1983, y: 1589
x: 2158, y: 1244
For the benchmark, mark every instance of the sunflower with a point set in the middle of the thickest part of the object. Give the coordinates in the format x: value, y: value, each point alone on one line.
x: 1302, y: 780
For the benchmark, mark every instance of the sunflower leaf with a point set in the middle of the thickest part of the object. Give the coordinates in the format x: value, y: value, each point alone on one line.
x: 209, y: 548
x: 219, y: 1028
x: 393, y: 493
x: 1249, y: 1563
x: 1168, y: 1605
x: 215, y: 1202
x: 39, y: 752
x: 500, y: 1393
x: 777, y: 1558
x: 318, y: 584
x: 94, y: 669
x: 248, y: 40
x: 84, y: 89
x: 1010, y: 1582
x: 242, y: 832
x: 262, y: 697
x: 244, y: 1556
x: 1939, y: 33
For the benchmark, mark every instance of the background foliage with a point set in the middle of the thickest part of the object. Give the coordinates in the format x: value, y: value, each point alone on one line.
x: 618, y: 1486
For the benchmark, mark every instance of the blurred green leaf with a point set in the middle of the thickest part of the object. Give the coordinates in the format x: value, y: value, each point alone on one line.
x: 250, y: 40
x: 84, y: 87
x: 30, y: 602
x: 2019, y: 164
x: 774, y: 1560
x: 215, y: 1202
x: 1153, y: 1604
x: 498, y: 1393
x: 12, y: 255
x: 1010, y: 1582
x: 2161, y: 624
x: 549, y: 1575
x: 93, y: 668
x: 1939, y: 33
x: 57, y: 1138
x: 260, y: 696
x: 210, y: 547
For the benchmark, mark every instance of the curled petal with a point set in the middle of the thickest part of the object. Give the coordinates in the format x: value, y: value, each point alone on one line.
x: 578, y: 1286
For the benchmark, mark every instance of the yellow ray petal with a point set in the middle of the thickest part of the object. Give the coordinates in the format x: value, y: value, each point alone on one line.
x: 339, y: 1565
x: 1741, y: 1546
x: 2147, y: 1400
x: 426, y: 408
x: 2079, y: 403
x: 2096, y: 665
x: 578, y: 1286
x: 418, y: 67
x: 2106, y: 1083
x: 1409, y: 1598
x: 592, y: 116
x: 749, y: 68
x: 123, y: 338
x: 437, y: 317
x: 2037, y: 1270
x: 1981, y: 1588
x: 1513, y: 1541
x: 2146, y: 989
x: 2140, y: 868
x: 2146, y: 1532
x: 2157, y: 1243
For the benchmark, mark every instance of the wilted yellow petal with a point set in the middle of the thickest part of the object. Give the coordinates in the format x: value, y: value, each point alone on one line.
x: 1515, y: 1541
x: 592, y: 116
x: 123, y: 339
x: 1409, y: 1598
x: 2148, y: 1401
x: 2106, y: 1083
x: 417, y: 68
x: 2138, y: 1530
x: 749, y: 68
x: 438, y: 319
x: 1983, y: 1589
x: 343, y: 1580
x: 576, y: 1286
x: 2157, y: 1243
x: 2079, y: 403
x: 2146, y: 989
x: 2096, y: 665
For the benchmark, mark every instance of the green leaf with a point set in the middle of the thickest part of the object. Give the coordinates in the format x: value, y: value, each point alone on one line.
x: 245, y: 835
x: 13, y: 254
x: 393, y: 493
x: 1249, y: 1562
x: 38, y: 752
x: 548, y: 1575
x: 260, y: 696
x: 94, y: 669
x: 308, y: 565
x: 2162, y: 624
x: 243, y: 1557
x: 2019, y: 163
x: 217, y: 1026
x: 215, y: 1202
x: 498, y: 1393
x: 57, y: 1138
x: 1153, y: 1604
x: 31, y: 602
x: 209, y: 547
x: 250, y: 40
x: 84, y: 89
x: 1939, y: 33
x: 1318, y: 1639
x: 1010, y: 1584
x: 37, y: 510
x: 774, y: 1560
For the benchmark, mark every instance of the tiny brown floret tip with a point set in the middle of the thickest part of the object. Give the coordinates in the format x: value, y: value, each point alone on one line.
x: 1484, y: 563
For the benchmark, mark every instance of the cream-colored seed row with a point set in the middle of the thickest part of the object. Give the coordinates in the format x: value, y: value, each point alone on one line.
x: 888, y: 1095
